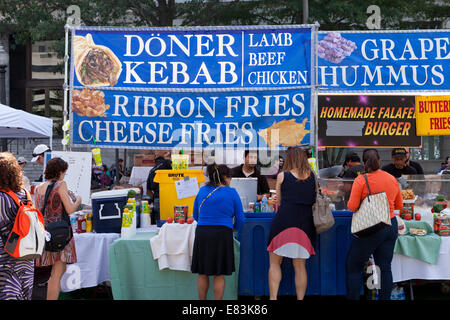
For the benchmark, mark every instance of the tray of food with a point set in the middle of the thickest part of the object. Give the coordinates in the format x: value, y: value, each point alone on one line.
x: 409, y: 196
x: 417, y: 232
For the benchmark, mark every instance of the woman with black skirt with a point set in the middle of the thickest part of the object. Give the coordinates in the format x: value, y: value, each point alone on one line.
x: 214, y: 208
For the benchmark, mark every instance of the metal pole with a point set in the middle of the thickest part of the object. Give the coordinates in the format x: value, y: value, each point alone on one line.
x: 3, y: 99
x: 305, y: 11
x: 117, y: 167
x: 66, y: 87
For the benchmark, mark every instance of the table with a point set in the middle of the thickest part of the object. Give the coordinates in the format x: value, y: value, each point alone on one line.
x: 136, y: 276
x: 406, y: 268
x: 92, y: 266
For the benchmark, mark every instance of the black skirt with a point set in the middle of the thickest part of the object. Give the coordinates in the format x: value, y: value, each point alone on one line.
x: 213, y: 251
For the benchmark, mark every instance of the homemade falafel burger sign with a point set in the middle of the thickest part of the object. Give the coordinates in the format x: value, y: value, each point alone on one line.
x: 194, y: 87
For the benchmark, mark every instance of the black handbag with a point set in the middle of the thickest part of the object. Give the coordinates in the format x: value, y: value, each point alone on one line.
x: 60, y: 231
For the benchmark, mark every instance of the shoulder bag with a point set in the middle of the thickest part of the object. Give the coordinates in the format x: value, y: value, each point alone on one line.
x: 322, y: 215
x: 373, y: 214
x: 60, y: 231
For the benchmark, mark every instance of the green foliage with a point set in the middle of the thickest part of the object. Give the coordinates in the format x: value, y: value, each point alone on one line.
x: 38, y: 20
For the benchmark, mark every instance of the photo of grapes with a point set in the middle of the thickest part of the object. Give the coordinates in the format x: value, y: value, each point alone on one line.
x: 335, y: 48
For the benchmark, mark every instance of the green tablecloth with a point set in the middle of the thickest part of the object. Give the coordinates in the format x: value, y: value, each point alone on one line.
x: 136, y: 276
x: 425, y: 248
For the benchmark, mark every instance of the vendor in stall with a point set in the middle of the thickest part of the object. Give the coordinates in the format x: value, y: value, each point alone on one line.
x: 413, y: 164
x: 352, y: 166
x: 353, y: 169
x: 153, y: 187
x: 248, y: 170
x: 398, y: 167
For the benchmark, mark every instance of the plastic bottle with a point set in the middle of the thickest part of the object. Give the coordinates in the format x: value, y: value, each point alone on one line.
x: 145, y: 214
x: 264, y: 204
x: 89, y: 222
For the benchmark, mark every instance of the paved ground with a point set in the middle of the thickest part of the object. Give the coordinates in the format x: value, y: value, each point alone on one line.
x: 422, y: 290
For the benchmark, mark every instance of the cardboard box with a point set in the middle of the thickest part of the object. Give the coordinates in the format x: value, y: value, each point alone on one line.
x: 144, y: 160
x: 163, y: 153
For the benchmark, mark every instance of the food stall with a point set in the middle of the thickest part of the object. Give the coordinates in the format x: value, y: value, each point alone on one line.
x: 240, y: 92
x: 422, y: 249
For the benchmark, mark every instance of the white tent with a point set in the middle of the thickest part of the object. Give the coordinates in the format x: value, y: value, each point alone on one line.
x: 15, y: 123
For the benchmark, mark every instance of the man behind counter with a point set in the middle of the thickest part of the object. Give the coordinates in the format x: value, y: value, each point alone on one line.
x: 248, y: 170
x: 399, y: 166
x: 413, y: 164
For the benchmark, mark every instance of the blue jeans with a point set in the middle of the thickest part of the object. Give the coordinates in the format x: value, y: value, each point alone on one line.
x: 381, y: 245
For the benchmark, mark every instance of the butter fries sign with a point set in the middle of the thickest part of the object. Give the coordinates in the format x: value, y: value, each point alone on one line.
x: 433, y: 115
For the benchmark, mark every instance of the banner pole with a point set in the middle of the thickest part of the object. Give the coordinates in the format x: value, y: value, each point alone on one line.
x: 66, y: 88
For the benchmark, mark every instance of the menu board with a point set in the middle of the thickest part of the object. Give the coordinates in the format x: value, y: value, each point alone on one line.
x: 78, y: 176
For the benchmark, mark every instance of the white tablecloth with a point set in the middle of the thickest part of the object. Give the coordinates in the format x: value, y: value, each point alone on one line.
x: 138, y: 177
x: 406, y: 268
x: 92, y: 266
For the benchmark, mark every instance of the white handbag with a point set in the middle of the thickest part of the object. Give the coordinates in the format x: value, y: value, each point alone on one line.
x: 373, y: 214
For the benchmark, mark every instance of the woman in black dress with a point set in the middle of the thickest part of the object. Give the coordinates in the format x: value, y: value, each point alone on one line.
x: 292, y: 233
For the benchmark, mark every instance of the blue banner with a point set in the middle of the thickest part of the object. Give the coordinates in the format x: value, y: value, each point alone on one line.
x: 193, y: 58
x: 266, y: 119
x: 381, y: 61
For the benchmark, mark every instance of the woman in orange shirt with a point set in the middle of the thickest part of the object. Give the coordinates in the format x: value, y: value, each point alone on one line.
x: 381, y: 244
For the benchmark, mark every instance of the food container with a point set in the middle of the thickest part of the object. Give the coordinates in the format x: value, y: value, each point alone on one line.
x: 442, y: 224
x: 180, y: 212
x: 251, y: 207
x: 88, y: 222
x: 81, y: 223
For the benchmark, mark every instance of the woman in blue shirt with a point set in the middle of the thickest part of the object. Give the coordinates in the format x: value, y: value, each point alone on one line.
x: 215, y: 207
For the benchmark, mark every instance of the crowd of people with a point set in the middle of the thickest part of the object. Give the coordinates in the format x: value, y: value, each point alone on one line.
x: 292, y: 234
x: 218, y: 211
x: 17, y: 277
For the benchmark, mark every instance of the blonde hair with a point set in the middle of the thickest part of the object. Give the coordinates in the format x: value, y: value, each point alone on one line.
x: 296, y: 160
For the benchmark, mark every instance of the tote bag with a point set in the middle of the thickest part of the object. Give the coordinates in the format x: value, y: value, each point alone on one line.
x: 372, y: 215
x: 322, y: 215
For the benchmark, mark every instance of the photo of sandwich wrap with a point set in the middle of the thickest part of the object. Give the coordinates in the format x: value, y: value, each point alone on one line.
x: 95, y: 65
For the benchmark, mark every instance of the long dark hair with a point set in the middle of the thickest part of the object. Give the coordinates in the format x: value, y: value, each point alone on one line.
x: 371, y: 160
x: 217, y: 174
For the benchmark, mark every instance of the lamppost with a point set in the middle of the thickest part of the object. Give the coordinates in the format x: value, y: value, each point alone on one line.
x: 4, y: 60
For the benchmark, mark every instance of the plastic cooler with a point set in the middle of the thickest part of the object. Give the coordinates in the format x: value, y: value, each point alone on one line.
x: 168, y: 194
x: 107, y: 208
